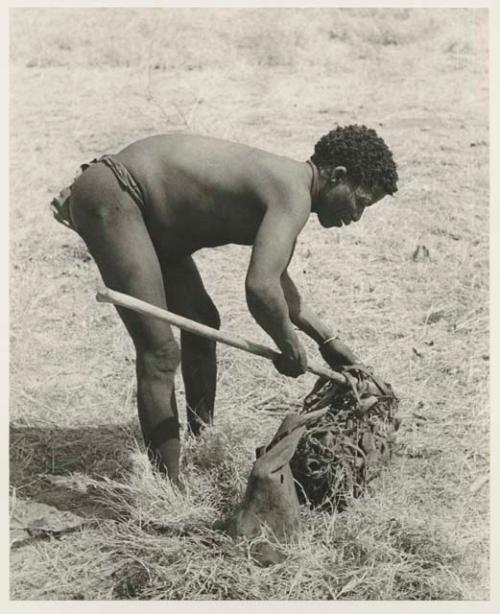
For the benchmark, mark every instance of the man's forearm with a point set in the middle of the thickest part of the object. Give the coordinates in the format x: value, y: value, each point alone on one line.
x: 309, y: 323
x: 335, y: 352
x: 268, y: 306
x: 302, y: 315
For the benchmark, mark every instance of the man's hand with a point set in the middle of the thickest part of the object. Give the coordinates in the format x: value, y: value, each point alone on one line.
x: 337, y: 354
x: 293, y: 360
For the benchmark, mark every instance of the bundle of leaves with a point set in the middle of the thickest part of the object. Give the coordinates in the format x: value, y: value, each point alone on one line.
x: 345, y: 449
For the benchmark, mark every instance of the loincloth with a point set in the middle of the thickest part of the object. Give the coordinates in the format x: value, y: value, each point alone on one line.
x: 61, y: 204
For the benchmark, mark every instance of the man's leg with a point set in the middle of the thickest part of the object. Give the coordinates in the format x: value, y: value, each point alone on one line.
x: 187, y: 296
x: 113, y: 228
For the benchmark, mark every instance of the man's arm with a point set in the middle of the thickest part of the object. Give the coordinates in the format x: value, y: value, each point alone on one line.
x: 271, y: 254
x: 301, y: 314
x: 332, y: 349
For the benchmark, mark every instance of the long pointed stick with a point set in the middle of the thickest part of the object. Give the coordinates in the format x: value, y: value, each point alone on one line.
x: 124, y: 300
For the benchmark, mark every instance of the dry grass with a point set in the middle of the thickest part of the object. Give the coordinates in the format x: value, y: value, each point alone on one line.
x: 85, y: 82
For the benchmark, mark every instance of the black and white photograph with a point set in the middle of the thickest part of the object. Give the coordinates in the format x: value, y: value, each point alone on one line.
x: 249, y: 318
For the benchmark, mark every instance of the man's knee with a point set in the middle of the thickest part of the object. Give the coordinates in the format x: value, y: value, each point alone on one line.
x: 159, y: 362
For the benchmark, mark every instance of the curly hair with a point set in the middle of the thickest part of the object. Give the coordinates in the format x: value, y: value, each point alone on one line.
x: 365, y: 155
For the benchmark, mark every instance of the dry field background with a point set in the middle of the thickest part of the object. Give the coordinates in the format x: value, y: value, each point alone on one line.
x: 89, y: 520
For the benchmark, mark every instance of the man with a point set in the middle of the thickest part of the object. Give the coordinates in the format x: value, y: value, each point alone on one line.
x: 144, y: 211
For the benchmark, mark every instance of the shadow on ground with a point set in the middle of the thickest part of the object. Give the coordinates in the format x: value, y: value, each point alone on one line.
x: 50, y: 465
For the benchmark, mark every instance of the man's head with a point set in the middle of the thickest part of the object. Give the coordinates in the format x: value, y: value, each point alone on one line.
x: 356, y: 169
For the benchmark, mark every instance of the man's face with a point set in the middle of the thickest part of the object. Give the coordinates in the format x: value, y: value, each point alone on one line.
x: 342, y: 203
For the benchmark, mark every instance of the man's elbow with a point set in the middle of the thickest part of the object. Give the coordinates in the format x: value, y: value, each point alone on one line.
x: 259, y: 292
x: 255, y: 289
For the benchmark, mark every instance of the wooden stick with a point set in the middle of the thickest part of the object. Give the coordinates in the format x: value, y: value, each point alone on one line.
x: 106, y: 295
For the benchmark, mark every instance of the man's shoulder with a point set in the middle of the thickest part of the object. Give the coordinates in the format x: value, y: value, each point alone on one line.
x: 273, y: 177
x: 283, y: 181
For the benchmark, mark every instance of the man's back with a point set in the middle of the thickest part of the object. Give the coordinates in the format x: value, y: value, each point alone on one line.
x: 203, y: 192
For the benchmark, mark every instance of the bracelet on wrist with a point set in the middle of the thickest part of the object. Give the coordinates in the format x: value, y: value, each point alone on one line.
x: 335, y: 337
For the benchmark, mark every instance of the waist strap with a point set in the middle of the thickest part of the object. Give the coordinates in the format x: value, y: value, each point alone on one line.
x: 61, y: 204
x: 123, y: 176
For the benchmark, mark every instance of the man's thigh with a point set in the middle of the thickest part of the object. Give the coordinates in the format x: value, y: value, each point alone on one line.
x: 114, y: 231
x: 185, y: 292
